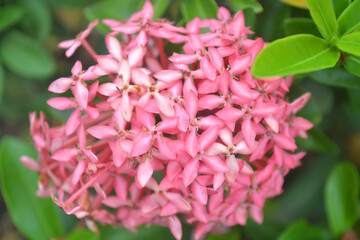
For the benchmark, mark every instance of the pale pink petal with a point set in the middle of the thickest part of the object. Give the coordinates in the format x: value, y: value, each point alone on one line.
x: 191, y: 104
x: 125, y: 71
x: 199, y: 192
x: 168, y: 125
x: 119, y: 155
x: 273, y: 123
x: 218, y: 180
x: 208, y: 70
x: 183, y: 58
x: 223, y: 14
x: 145, y: 118
x: 121, y: 187
x: 217, y: 148
x: 199, y: 211
x: 87, y: 31
x: 180, y: 202
x: 264, y: 109
x: 102, y: 132
x: 169, y: 76
x: 234, y: 168
x: 257, y: 214
x: 208, y: 137
x: 108, y: 64
x: 248, y: 132
x: 82, y: 137
x: 72, y: 48
x: 73, y: 122
x: 192, y: 143
x: 114, y: 47
x: 147, y: 10
x: 144, y: 172
x: 140, y: 78
x: 81, y: 94
x: 210, y: 101
x: 164, y: 149
x: 164, y: 104
x: 230, y: 114
x: 175, y: 227
x: 108, y: 89
x: 92, y: 112
x: 237, y: 24
x: 60, y: 85
x: 61, y: 103
x: 77, y: 68
x: 216, y: 59
x: 173, y: 169
x: 215, y: 163
x: 65, y: 154
x: 241, y: 215
x: 284, y: 142
x: 226, y: 136
x: 142, y: 143
x: 80, y: 168
x: 136, y: 55
x: 168, y: 209
x: 190, y: 171
x: 126, y: 107
x: 66, y: 43
x: 30, y: 163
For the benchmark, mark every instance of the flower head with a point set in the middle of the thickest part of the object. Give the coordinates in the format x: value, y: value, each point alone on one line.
x: 157, y: 138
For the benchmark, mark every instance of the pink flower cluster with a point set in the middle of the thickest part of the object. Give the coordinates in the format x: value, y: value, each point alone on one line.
x: 152, y: 138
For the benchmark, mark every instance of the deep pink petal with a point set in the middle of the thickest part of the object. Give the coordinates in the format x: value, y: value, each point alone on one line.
x: 142, y: 143
x: 210, y: 101
x: 216, y: 59
x: 192, y: 142
x: 81, y: 94
x: 199, y: 192
x: 230, y: 114
x: 208, y: 70
x: 208, y: 137
x: 240, y: 64
x: 30, y: 163
x: 79, y: 170
x: 164, y: 104
x: 191, y: 105
x: 215, y: 163
x: 248, y: 132
x: 61, y: 103
x: 65, y: 154
x: 77, y: 68
x: 199, y: 211
x: 169, y: 76
x: 73, y: 122
x: 175, y: 227
x: 183, y: 58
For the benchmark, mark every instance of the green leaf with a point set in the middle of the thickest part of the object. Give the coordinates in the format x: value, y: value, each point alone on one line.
x: 2, y: 78
x: 9, y: 15
x: 323, y: 15
x: 336, y: 77
x: 349, y: 19
x: 302, y: 230
x: 295, y: 54
x: 340, y: 6
x: 114, y: 9
x: 144, y: 233
x: 239, y: 5
x: 271, y: 18
x: 317, y: 141
x: 268, y: 230
x: 300, y: 26
x: 36, y: 218
x: 232, y: 235
x: 26, y: 56
x: 198, y: 8
x: 352, y: 64
x: 350, y: 43
x: 37, y: 18
x: 341, y: 197
x: 72, y: 3
x: 83, y: 234
x: 160, y: 7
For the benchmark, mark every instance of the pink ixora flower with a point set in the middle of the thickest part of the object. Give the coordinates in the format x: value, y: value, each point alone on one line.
x: 163, y: 139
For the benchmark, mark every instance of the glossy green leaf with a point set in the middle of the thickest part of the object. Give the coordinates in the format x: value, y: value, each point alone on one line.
x: 113, y: 9
x: 9, y: 15
x: 323, y: 15
x: 352, y: 64
x: 144, y: 233
x: 26, y: 56
x: 2, y: 79
x: 336, y: 77
x: 342, y: 197
x: 302, y: 230
x: 83, y: 235
x: 340, y: 6
x: 271, y: 18
x: 36, y: 218
x: 349, y: 19
x: 317, y: 141
x: 37, y: 20
x: 295, y: 54
x: 350, y: 43
x: 300, y: 26
x: 239, y: 5
x: 198, y: 8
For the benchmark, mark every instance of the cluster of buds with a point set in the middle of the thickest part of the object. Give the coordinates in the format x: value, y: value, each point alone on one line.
x: 153, y: 138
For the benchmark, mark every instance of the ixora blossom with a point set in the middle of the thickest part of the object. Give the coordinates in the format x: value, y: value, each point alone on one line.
x: 153, y: 138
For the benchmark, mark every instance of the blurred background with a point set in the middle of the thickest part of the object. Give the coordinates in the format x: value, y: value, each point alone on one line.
x: 30, y: 60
